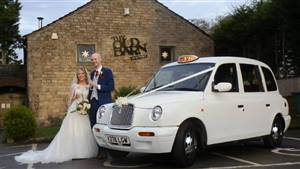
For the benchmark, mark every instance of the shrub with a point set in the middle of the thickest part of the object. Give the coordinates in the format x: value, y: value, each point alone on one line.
x: 19, y: 123
x: 126, y: 90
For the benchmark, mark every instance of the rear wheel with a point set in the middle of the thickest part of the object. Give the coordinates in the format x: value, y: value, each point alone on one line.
x: 186, y: 146
x: 115, y: 154
x: 276, y: 135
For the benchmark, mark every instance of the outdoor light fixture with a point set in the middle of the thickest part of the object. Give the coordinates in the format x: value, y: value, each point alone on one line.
x: 126, y: 11
x: 54, y: 36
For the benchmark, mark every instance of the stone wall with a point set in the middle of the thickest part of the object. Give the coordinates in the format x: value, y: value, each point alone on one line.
x: 52, y: 63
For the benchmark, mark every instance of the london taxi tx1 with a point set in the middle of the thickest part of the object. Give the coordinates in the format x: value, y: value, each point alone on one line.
x: 193, y: 103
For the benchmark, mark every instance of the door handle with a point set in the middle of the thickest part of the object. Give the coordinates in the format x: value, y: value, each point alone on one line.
x: 240, y: 106
x: 268, y: 105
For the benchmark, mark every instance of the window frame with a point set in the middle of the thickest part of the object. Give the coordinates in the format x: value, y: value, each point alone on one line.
x: 261, y: 87
x: 265, y: 80
x: 88, y: 60
x: 236, y: 74
x: 172, y: 57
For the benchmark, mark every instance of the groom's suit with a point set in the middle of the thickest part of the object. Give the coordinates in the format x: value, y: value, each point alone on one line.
x: 107, y: 85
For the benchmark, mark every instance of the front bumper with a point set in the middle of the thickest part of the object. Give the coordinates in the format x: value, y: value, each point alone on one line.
x: 161, y: 142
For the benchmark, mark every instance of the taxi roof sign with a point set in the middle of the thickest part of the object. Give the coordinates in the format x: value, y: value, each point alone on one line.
x: 187, y: 58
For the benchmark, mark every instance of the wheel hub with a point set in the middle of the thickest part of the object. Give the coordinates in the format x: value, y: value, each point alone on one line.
x: 276, y: 132
x: 190, y: 144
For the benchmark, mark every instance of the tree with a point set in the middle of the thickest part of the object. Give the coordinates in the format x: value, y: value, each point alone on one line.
x: 265, y: 30
x: 9, y: 29
x: 202, y: 24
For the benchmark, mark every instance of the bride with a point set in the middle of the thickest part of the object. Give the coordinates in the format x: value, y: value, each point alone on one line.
x: 74, y: 139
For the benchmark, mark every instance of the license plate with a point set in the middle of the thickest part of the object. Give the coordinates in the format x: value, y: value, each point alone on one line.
x: 118, y: 140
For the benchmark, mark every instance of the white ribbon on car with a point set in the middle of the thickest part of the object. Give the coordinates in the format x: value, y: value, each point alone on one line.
x: 174, y: 83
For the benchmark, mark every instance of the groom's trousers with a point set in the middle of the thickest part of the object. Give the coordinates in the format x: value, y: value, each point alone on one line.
x: 93, y: 112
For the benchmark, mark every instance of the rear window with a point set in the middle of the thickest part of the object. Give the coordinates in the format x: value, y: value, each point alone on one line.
x: 251, y: 78
x: 270, y: 81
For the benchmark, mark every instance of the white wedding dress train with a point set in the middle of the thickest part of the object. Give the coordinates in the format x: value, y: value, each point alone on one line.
x: 74, y: 139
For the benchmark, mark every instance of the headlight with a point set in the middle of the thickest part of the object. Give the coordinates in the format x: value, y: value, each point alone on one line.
x: 156, y: 113
x: 101, y: 111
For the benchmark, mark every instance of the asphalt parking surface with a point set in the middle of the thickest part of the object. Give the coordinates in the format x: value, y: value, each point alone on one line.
x: 225, y: 156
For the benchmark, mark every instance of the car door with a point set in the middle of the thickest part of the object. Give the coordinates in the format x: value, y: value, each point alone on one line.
x: 254, y: 101
x: 273, y: 99
x: 223, y: 116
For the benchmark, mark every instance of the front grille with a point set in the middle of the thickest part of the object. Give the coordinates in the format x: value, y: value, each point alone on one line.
x: 122, y: 116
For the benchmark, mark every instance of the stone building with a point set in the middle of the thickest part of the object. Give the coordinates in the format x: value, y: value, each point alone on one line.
x: 135, y: 38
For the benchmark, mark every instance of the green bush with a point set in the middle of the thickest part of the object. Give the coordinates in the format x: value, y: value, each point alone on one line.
x: 19, y: 123
x: 125, y: 90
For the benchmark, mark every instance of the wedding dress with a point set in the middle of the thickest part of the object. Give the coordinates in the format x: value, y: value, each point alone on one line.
x: 74, y: 139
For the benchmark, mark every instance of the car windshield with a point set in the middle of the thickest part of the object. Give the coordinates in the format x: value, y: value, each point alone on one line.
x: 173, y: 73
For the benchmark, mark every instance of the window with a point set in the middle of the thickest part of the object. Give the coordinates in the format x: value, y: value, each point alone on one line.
x: 251, y: 78
x: 227, y: 73
x: 270, y: 81
x: 167, y: 53
x: 84, y: 52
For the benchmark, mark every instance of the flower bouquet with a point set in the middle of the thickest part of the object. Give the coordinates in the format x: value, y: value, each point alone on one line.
x: 122, y: 101
x: 83, y: 107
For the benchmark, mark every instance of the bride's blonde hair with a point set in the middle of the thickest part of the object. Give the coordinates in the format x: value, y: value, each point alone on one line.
x: 86, y: 74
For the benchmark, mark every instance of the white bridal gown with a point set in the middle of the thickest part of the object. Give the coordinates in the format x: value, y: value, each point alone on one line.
x: 73, y: 141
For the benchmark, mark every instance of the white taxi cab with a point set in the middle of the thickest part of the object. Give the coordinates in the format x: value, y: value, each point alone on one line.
x: 193, y: 103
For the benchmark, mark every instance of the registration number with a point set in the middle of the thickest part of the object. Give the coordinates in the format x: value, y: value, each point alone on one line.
x: 118, y: 140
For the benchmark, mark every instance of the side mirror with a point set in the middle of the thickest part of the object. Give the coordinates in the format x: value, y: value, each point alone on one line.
x: 222, y: 87
x: 142, y: 89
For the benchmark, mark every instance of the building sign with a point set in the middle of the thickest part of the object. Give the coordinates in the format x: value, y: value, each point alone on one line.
x: 131, y: 47
x: 84, y: 52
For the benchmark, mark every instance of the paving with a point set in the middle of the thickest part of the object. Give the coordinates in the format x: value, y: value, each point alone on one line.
x: 233, y: 155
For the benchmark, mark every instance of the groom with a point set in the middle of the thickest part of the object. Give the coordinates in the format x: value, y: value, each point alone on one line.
x: 102, y: 84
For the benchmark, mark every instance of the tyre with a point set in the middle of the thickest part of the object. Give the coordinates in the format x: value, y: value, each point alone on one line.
x: 115, y: 154
x: 275, y: 138
x: 186, y: 146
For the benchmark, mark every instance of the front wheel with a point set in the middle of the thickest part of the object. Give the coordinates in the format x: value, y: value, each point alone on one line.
x: 186, y: 146
x: 275, y: 138
x: 115, y: 154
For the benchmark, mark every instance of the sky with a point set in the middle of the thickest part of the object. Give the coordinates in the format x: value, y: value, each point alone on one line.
x: 51, y: 10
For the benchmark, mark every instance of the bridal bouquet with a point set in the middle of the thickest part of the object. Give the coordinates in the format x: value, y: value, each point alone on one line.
x: 83, y: 107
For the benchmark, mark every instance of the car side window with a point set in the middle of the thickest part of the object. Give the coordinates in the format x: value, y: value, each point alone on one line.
x: 227, y: 73
x: 269, y: 78
x: 251, y: 78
